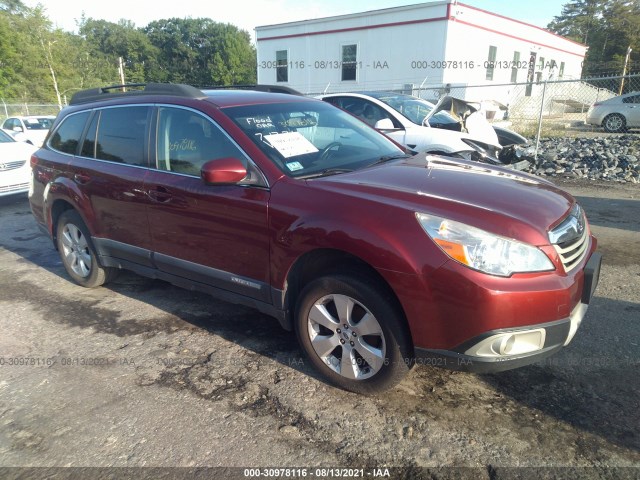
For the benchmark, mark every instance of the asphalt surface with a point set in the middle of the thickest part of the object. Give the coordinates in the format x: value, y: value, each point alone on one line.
x: 143, y: 374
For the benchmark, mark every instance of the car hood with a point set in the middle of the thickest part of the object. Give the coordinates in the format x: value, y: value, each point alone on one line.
x: 13, y: 151
x: 473, y: 121
x: 494, y: 199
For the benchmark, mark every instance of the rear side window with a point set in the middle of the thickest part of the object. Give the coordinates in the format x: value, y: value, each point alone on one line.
x: 122, y: 135
x: 67, y: 135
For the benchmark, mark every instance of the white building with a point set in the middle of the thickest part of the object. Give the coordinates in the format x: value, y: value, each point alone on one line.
x: 442, y: 44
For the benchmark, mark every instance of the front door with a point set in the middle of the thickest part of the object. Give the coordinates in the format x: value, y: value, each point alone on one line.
x: 216, y: 235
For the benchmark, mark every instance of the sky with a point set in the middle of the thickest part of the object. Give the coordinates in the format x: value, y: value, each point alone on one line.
x: 247, y: 14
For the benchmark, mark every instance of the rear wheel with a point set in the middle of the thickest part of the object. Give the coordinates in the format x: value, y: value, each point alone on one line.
x: 78, y: 254
x: 614, y: 123
x: 353, y: 333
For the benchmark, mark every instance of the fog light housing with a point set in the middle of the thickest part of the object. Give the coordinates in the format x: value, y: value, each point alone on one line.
x: 508, y: 344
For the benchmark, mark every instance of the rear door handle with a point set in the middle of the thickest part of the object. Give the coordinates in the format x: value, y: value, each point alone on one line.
x: 82, y: 178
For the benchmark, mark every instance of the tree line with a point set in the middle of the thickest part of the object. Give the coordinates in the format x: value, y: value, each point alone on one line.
x: 40, y: 63
x: 608, y: 28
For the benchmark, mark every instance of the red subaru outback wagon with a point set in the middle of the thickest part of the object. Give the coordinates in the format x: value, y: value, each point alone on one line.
x: 378, y: 259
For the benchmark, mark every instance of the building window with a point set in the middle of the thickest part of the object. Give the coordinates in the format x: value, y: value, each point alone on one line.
x: 491, y: 62
x: 515, y: 66
x: 349, y: 62
x: 561, y: 72
x: 282, y: 69
x: 541, y: 68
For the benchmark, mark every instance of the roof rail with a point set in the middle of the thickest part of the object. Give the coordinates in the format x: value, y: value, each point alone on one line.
x: 115, y: 91
x: 258, y: 86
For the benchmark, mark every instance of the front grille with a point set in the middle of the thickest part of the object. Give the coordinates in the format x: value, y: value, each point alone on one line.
x: 12, y: 188
x: 571, y: 238
x: 11, y: 165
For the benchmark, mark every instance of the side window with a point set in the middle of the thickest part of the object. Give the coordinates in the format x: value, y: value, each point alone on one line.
x: 371, y: 113
x: 632, y: 99
x: 121, y: 135
x: 67, y: 135
x: 364, y: 110
x: 186, y: 140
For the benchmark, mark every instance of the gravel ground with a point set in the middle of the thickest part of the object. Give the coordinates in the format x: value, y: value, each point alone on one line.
x: 143, y: 374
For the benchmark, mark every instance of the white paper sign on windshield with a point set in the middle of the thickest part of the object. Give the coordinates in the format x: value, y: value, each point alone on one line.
x: 290, y: 144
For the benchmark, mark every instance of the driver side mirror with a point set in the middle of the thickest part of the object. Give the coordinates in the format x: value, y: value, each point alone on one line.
x: 17, y: 129
x: 223, y: 171
x: 384, y: 124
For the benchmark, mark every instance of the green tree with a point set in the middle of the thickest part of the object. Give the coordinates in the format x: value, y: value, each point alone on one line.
x: 202, y: 52
x: 109, y: 41
x: 607, y: 27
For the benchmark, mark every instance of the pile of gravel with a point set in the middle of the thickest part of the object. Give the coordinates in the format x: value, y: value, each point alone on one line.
x: 613, y: 158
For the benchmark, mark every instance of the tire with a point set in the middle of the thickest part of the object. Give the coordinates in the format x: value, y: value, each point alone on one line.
x: 78, y: 253
x: 614, y: 123
x: 349, y: 358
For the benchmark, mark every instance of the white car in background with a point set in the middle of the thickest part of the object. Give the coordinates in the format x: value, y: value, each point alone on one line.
x: 15, y: 168
x: 31, y: 129
x: 451, y: 127
x: 616, y: 114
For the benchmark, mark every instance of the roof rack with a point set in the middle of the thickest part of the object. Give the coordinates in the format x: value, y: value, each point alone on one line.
x: 115, y: 91
x: 258, y: 86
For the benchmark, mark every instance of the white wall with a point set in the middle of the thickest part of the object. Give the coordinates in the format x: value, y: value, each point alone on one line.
x: 410, y: 49
x: 385, y: 53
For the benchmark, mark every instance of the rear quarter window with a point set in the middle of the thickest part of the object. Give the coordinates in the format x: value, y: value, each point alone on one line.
x: 67, y: 136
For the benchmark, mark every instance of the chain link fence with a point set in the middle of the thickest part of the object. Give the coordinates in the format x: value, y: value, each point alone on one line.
x: 545, y: 108
x: 9, y: 108
x: 548, y: 108
x: 553, y: 107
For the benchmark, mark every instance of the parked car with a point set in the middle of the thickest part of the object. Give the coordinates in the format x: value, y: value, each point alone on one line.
x: 452, y: 126
x: 15, y: 172
x: 616, y: 114
x: 32, y: 129
x: 377, y: 259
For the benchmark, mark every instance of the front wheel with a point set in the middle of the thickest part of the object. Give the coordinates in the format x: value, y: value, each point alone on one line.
x: 77, y: 253
x: 353, y: 334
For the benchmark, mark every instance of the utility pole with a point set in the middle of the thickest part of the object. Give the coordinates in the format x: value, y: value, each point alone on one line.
x: 121, y: 72
x: 624, y: 69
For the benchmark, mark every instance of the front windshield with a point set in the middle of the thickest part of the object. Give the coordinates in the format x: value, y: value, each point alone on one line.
x: 414, y: 108
x: 5, y: 138
x: 312, y: 138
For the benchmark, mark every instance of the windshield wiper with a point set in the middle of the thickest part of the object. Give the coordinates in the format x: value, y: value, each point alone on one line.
x: 326, y: 172
x: 387, y: 158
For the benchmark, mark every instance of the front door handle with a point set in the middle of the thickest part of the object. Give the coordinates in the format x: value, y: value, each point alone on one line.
x: 160, y: 194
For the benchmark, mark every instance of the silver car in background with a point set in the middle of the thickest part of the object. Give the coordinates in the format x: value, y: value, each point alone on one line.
x: 616, y: 114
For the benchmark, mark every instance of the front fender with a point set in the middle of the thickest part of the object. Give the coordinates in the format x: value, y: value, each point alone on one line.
x: 395, y: 242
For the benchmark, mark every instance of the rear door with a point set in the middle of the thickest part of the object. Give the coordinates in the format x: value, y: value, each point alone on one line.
x: 109, y: 171
x: 216, y: 235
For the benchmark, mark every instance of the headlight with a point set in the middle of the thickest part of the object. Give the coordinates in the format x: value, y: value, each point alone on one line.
x: 482, y: 250
x: 486, y: 151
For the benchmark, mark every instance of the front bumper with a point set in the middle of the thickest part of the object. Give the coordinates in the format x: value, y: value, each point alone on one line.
x: 504, y: 349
